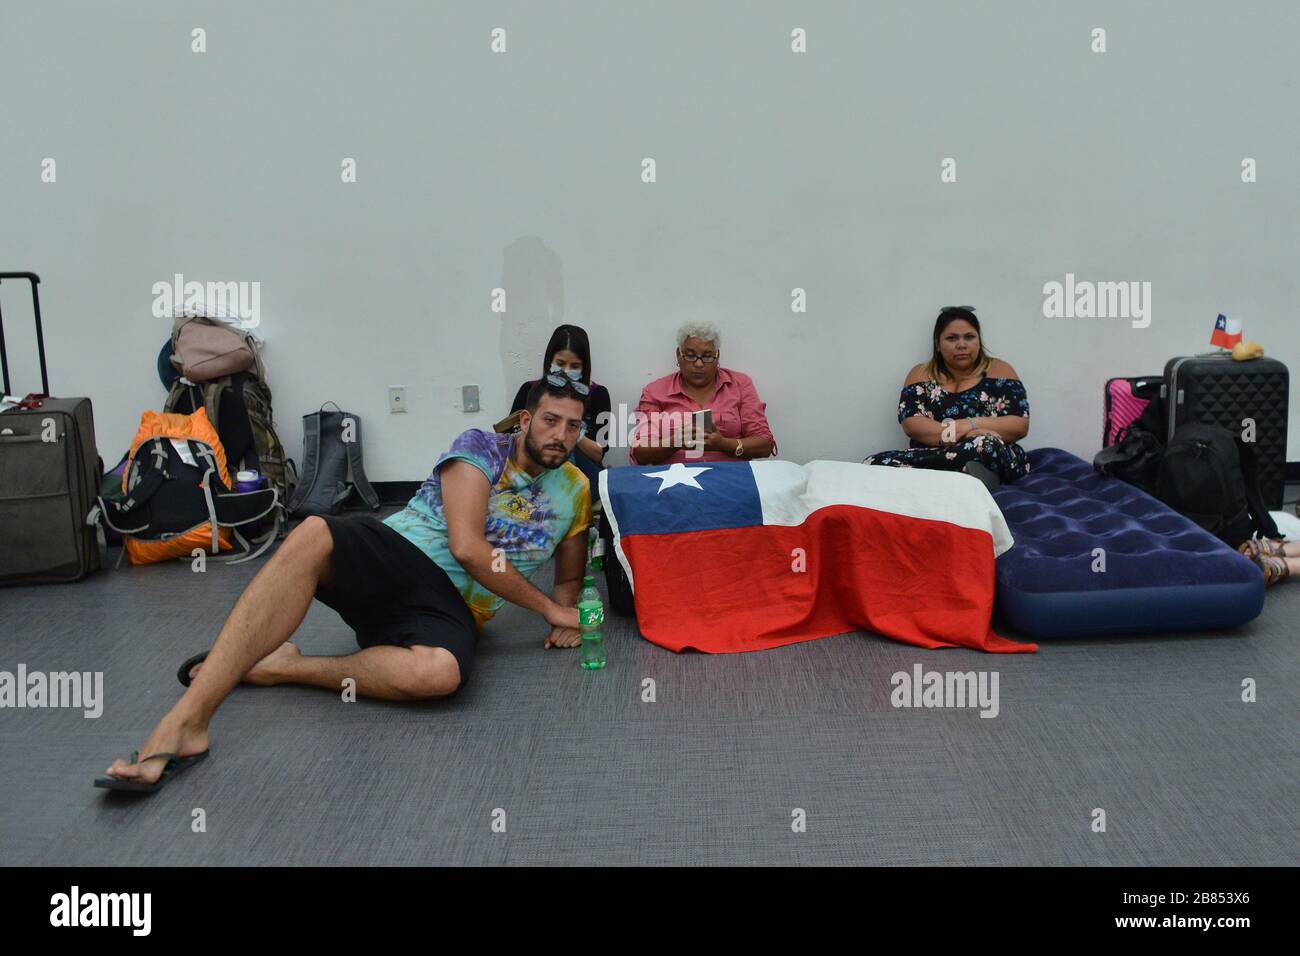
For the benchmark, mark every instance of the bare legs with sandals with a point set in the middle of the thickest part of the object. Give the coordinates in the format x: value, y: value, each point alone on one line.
x: 253, y: 647
x: 1277, y: 559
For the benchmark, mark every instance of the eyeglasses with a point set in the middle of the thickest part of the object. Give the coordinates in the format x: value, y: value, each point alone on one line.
x: 708, y: 358
x: 956, y: 308
x: 563, y: 381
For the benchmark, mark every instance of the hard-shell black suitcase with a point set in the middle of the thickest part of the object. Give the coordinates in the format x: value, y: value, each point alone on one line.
x: 1247, y: 398
x: 49, y: 477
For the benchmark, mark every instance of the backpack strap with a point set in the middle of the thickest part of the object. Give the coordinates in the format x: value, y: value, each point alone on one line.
x: 115, y: 514
x: 260, y: 370
x: 212, y: 392
x: 174, y: 395
x: 159, y: 457
x: 261, y: 544
x: 357, y: 470
x: 311, y: 424
x: 1260, y: 519
x: 206, y: 485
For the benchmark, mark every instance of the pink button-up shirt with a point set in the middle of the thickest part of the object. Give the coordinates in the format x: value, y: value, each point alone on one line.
x: 737, y: 412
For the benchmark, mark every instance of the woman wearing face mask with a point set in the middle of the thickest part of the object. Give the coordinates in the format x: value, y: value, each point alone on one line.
x: 963, y: 410
x: 569, y: 354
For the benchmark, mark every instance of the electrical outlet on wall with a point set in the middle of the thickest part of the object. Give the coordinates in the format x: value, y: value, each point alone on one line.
x: 469, y: 398
x: 396, y: 399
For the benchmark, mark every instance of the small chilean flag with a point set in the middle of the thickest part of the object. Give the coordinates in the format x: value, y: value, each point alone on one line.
x: 1227, y: 332
x: 743, y: 556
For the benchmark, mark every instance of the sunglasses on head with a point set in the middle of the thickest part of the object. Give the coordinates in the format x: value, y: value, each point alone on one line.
x: 563, y: 381
x: 957, y: 308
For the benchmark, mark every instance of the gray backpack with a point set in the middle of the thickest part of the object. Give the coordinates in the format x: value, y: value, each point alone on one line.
x: 331, y: 465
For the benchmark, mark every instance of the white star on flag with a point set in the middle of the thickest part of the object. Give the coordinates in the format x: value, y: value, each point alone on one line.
x: 677, y: 474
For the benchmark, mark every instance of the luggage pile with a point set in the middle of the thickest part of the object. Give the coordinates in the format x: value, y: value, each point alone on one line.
x: 1207, y: 437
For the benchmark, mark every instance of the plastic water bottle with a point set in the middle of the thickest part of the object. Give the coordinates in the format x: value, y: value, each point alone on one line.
x: 595, y: 547
x: 591, y: 615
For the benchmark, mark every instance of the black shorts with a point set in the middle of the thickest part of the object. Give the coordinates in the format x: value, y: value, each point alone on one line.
x: 390, y: 592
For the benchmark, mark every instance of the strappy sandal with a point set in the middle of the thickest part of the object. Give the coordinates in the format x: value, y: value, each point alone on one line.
x: 174, y: 766
x: 1275, y: 569
x: 1264, y: 546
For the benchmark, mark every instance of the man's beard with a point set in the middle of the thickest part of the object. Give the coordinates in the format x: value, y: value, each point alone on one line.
x: 537, y: 453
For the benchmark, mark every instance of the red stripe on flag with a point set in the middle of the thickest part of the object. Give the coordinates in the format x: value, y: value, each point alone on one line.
x: 923, y: 582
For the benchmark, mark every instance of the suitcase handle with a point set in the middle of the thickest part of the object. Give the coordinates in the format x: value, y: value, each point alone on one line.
x: 33, y: 278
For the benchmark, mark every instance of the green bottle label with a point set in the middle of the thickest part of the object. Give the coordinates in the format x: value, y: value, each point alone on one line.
x: 591, y: 615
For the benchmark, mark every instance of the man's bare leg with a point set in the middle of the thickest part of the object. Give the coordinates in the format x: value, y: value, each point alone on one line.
x: 388, y: 673
x: 263, y: 619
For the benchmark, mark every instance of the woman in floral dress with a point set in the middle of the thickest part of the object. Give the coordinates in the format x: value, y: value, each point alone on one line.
x: 963, y: 410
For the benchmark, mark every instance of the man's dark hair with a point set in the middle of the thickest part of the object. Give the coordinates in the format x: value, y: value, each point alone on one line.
x: 543, y: 387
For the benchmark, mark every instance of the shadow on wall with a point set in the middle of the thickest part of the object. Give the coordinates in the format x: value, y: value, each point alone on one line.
x: 533, y: 278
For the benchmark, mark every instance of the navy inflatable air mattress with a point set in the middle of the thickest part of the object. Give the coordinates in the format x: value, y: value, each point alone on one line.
x: 1162, y: 572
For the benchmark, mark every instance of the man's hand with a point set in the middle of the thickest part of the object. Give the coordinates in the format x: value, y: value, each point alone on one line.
x: 563, y: 637
x: 561, y: 617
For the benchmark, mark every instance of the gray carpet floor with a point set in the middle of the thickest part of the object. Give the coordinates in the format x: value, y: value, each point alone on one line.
x: 1152, y: 730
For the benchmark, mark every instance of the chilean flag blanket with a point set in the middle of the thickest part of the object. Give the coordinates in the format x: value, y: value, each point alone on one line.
x: 743, y: 556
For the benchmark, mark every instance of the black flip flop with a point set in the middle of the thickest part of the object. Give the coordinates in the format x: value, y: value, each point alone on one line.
x: 173, y: 767
x: 183, y: 675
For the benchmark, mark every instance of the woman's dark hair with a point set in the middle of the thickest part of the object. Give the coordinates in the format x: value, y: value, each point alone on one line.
x: 568, y: 338
x: 947, y: 317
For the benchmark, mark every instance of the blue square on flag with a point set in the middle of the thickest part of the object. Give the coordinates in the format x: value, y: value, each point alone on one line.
x: 668, y: 499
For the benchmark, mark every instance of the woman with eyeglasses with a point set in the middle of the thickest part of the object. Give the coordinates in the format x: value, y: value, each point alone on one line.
x: 740, y: 429
x: 568, y: 356
x: 963, y: 410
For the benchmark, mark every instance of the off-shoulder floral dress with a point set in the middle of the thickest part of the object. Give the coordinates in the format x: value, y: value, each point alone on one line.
x: 988, y: 398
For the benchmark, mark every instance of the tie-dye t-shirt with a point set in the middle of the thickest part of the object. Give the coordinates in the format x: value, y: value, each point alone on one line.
x: 527, y: 517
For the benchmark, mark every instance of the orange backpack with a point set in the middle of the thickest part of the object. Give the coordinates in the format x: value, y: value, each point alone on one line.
x: 177, y: 494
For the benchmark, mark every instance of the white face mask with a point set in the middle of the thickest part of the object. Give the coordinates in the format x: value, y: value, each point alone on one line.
x: 575, y: 374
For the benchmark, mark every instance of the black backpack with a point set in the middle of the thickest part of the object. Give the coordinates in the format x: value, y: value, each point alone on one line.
x: 1208, y: 474
x: 332, y: 466
x: 1135, y: 458
x: 173, y: 486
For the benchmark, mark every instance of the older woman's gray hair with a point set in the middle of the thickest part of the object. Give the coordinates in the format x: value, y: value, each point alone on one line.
x: 704, y: 331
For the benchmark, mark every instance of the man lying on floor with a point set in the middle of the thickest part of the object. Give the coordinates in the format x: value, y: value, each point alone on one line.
x: 416, y: 588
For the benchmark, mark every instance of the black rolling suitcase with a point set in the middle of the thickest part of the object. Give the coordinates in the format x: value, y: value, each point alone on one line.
x: 1216, y: 390
x: 49, y: 477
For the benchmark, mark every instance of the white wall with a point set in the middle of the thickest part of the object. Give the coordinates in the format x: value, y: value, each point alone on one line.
x: 775, y: 170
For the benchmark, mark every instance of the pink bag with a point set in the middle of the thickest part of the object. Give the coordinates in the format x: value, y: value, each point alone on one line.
x: 205, y: 350
x: 1126, y: 400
